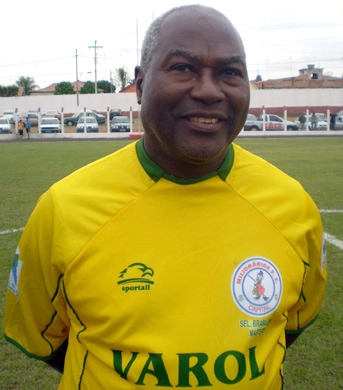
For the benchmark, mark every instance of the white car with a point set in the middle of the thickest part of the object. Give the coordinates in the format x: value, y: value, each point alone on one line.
x: 9, y: 115
x: 252, y: 123
x: 50, y: 125
x: 339, y: 122
x: 321, y: 124
x: 5, y: 125
x: 91, y: 124
x: 53, y: 114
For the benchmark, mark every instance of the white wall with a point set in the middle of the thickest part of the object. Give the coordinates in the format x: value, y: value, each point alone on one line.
x: 99, y: 102
x: 332, y: 97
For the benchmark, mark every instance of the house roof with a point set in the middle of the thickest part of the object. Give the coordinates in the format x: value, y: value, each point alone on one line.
x: 50, y: 89
x: 129, y: 88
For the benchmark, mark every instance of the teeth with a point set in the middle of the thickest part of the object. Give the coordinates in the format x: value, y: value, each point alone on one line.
x: 204, y: 120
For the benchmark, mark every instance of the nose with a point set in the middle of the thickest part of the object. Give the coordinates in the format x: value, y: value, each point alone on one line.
x: 207, y: 88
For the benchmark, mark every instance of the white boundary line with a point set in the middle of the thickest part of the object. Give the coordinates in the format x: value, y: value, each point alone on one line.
x: 333, y: 241
x: 328, y: 237
x: 11, y: 231
x: 330, y: 211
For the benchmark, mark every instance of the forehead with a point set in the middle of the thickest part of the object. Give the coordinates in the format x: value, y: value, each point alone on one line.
x: 199, y: 32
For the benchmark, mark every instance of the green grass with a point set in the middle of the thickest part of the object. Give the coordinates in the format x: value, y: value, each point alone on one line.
x: 315, y: 361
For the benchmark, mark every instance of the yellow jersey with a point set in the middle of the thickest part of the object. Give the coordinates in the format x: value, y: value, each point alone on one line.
x: 159, y: 282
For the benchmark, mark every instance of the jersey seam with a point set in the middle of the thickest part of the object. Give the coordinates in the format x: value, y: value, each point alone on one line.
x: 305, y: 264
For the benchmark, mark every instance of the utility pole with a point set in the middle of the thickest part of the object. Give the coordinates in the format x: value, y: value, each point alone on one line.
x: 77, y: 81
x: 95, y: 47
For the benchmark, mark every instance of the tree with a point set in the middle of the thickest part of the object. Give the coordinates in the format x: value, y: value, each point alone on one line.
x: 123, y: 78
x: 28, y: 83
x: 258, y: 77
x: 88, y: 87
x: 106, y: 86
x: 9, y: 90
x: 64, y: 88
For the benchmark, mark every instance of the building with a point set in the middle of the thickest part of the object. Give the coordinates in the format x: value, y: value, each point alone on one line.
x: 310, y: 77
x: 50, y: 90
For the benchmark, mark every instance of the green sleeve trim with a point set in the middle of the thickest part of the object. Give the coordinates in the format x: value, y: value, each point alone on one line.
x: 155, y: 172
x: 300, y: 330
x: 42, y: 358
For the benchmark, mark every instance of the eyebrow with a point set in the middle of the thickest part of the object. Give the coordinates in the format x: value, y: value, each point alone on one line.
x: 185, y: 54
x: 239, y: 59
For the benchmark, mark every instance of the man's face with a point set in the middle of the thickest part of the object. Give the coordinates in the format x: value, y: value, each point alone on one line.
x: 194, y: 95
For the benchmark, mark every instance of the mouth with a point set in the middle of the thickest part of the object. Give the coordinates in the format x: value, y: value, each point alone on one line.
x: 204, y: 120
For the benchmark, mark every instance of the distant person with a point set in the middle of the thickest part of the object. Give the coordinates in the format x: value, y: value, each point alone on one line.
x: 314, y: 121
x: 302, y: 120
x: 28, y: 127
x: 228, y: 265
x: 333, y: 121
x: 21, y: 127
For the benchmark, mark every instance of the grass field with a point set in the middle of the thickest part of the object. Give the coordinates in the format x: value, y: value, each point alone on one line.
x: 314, y: 362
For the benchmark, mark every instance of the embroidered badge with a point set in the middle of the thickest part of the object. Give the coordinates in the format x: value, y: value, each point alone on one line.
x: 257, y: 286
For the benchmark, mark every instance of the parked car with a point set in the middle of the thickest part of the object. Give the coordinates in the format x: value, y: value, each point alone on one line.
x: 34, y: 117
x: 9, y: 115
x: 274, y: 122
x: 252, y: 123
x: 92, y: 125
x: 73, y: 120
x: 339, y: 122
x: 5, y: 125
x: 321, y: 124
x: 50, y: 125
x: 115, y: 112
x: 53, y: 114
x: 120, y: 124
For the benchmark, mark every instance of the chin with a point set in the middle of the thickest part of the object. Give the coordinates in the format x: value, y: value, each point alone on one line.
x: 203, y: 155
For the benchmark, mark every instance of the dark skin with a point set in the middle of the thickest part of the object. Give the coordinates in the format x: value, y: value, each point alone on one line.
x: 194, y: 95
x: 195, y: 98
x: 57, y: 362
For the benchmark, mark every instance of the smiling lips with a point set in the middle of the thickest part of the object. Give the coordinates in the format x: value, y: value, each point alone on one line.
x: 204, y: 120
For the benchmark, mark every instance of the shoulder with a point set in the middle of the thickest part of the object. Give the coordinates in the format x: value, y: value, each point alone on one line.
x: 103, y: 187
x: 81, y: 203
x: 272, y: 191
x: 105, y: 175
x: 260, y: 171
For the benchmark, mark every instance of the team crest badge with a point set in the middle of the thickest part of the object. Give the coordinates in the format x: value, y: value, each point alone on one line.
x: 257, y: 286
x: 15, y: 274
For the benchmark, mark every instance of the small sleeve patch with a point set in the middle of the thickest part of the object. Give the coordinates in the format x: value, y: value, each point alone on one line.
x: 15, y: 274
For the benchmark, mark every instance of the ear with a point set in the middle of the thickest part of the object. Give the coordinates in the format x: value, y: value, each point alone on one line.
x: 139, y: 77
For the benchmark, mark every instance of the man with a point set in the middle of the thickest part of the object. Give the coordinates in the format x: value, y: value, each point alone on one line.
x: 314, y: 121
x: 181, y: 260
x: 28, y: 127
x: 333, y: 121
x: 302, y: 120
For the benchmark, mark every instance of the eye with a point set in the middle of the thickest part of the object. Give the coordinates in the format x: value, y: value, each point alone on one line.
x: 231, y: 72
x: 184, y: 68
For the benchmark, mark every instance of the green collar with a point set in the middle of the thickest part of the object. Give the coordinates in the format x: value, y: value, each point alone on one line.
x: 156, y: 172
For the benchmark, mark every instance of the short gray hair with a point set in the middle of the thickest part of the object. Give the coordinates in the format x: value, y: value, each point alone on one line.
x: 152, y: 36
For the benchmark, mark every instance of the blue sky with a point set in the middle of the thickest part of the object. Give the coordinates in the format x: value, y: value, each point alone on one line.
x: 279, y: 40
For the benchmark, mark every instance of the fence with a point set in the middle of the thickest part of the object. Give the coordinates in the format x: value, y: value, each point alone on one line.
x: 293, y: 99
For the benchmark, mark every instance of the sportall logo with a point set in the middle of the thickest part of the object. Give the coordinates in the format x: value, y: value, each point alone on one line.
x: 138, y: 276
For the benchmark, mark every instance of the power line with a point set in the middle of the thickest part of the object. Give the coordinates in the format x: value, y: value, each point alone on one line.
x: 34, y: 62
